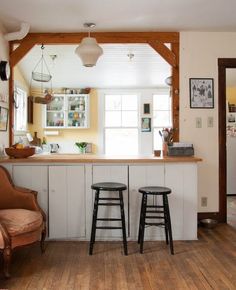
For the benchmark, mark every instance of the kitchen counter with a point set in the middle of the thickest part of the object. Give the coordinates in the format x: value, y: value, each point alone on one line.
x: 91, y: 158
x: 63, y: 183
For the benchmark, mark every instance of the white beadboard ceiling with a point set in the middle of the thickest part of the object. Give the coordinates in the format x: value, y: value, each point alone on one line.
x: 114, y: 68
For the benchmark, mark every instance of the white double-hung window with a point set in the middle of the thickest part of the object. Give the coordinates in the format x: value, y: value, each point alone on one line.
x: 20, y: 109
x: 162, y: 116
x: 121, y: 134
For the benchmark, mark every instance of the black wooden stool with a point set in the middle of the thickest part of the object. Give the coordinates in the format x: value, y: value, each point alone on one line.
x: 159, y: 212
x: 109, y: 201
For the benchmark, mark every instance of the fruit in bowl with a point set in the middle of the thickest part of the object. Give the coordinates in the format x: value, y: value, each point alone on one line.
x: 17, y: 151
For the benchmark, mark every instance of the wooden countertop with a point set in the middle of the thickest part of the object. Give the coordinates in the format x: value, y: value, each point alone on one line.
x: 91, y: 158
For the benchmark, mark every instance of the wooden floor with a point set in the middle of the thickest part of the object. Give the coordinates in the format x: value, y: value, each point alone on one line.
x: 209, y: 263
x: 231, y: 210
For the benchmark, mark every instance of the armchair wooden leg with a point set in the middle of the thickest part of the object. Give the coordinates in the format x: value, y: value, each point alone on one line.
x: 42, y: 242
x: 7, y: 253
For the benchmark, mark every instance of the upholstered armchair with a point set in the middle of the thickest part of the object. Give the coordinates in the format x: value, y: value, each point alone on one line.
x: 22, y: 222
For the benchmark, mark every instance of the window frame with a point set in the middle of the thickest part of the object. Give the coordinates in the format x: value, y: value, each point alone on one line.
x: 145, y: 95
x: 102, y: 111
x: 161, y: 92
x: 18, y: 86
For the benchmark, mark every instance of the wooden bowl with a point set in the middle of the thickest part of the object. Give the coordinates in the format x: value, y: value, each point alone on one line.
x: 20, y: 153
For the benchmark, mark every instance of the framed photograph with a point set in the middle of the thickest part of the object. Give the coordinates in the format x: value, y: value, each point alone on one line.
x: 3, y: 119
x: 146, y: 125
x: 146, y: 108
x: 201, y: 93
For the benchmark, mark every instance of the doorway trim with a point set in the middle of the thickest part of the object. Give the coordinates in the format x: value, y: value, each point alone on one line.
x: 157, y: 40
x: 223, y: 64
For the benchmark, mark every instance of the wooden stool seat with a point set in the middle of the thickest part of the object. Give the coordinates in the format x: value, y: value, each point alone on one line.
x: 109, y: 186
x: 155, y: 190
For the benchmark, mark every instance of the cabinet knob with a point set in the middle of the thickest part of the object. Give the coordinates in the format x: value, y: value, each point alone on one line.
x: 53, y: 190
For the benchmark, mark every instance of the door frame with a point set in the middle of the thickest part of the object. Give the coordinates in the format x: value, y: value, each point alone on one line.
x: 223, y: 64
x: 157, y: 40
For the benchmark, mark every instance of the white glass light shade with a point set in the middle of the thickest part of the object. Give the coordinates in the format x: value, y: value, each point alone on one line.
x: 89, y: 51
x: 168, y: 81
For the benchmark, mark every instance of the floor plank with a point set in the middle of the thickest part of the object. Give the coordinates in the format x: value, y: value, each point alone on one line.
x: 209, y: 263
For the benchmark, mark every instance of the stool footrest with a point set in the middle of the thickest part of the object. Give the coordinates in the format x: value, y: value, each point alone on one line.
x: 154, y: 206
x: 108, y: 203
x: 108, y: 198
x: 154, y: 224
x: 108, y: 228
x: 154, y: 217
x: 154, y: 211
x: 108, y: 219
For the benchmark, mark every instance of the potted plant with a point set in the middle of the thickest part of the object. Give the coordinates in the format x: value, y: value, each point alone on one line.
x: 82, y: 146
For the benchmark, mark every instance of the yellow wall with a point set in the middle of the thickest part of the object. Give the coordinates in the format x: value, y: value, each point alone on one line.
x: 231, y: 95
x: 83, y: 135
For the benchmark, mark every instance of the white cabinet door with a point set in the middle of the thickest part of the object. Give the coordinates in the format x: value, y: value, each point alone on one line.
x: 182, y: 179
x: 110, y: 173
x: 66, y: 202
x: 8, y: 167
x: 139, y: 176
x: 35, y: 178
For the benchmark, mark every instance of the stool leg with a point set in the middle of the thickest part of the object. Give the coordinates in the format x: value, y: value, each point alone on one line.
x: 165, y: 220
x: 122, y: 212
x: 140, y: 219
x: 143, y: 222
x: 166, y: 209
x: 94, y: 222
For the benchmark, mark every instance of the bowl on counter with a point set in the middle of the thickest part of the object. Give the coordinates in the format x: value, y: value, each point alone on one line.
x: 20, y: 153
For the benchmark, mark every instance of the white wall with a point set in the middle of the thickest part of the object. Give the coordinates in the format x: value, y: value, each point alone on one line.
x: 199, y: 52
x: 4, y: 139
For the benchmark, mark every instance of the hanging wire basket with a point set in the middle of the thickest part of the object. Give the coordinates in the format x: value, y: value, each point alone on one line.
x: 44, y: 74
x: 41, y: 74
x: 41, y: 77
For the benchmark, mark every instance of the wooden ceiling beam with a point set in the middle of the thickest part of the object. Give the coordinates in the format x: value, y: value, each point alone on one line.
x: 104, y: 37
x: 155, y: 39
x: 17, y: 54
x: 165, y: 52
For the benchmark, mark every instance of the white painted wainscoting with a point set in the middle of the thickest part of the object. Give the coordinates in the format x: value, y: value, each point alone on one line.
x: 65, y: 194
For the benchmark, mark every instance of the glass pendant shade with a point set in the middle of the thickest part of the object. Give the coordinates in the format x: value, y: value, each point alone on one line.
x: 89, y: 51
x: 168, y: 81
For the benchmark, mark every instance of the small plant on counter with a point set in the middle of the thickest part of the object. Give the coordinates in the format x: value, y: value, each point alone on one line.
x: 82, y: 146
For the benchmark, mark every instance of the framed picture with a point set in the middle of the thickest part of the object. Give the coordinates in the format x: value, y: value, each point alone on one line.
x: 201, y: 93
x: 3, y: 119
x: 146, y: 125
x: 146, y: 108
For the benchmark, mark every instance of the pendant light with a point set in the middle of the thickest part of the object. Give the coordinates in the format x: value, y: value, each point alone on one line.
x: 168, y: 81
x: 89, y: 50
